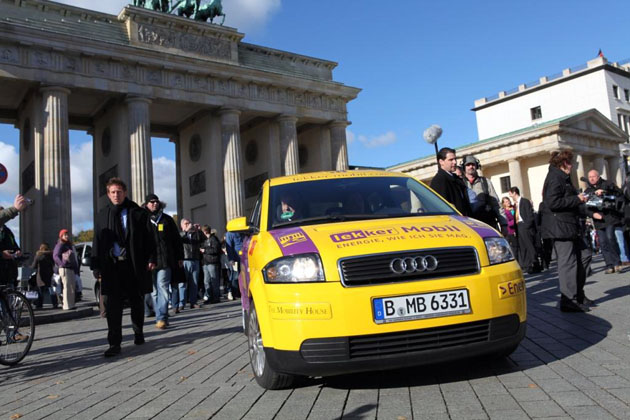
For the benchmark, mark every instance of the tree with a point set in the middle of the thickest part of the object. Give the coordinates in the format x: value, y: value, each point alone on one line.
x: 84, y: 236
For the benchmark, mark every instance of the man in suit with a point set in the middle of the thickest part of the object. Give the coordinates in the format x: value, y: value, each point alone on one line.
x: 525, y: 231
x: 123, y: 256
x: 448, y: 184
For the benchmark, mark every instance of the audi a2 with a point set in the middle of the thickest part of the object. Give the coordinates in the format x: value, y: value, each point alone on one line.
x: 367, y: 270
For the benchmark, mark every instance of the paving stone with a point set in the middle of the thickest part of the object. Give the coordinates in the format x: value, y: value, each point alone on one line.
x: 542, y: 409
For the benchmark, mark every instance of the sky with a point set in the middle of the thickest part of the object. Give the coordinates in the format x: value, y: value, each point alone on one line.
x: 418, y: 63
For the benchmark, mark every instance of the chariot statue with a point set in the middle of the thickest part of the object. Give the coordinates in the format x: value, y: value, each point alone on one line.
x: 188, y: 8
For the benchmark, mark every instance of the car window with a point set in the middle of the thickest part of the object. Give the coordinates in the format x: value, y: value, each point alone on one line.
x: 327, y: 200
x: 88, y: 251
x: 254, y: 218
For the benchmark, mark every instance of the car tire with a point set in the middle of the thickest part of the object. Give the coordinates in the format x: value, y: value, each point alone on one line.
x: 265, y: 375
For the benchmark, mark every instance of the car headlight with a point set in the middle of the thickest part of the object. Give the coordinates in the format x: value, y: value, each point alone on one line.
x: 499, y: 250
x: 295, y: 269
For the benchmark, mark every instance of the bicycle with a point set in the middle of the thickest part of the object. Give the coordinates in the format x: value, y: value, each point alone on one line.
x: 17, y: 326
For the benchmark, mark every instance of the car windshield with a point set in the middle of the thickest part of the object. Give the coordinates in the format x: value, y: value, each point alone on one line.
x: 360, y: 198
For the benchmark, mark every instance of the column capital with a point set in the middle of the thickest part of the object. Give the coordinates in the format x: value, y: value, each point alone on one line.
x: 229, y: 111
x: 60, y: 89
x: 132, y: 98
x: 287, y: 118
x: 339, y: 123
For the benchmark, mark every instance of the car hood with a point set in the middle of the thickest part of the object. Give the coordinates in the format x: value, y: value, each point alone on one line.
x: 338, y: 240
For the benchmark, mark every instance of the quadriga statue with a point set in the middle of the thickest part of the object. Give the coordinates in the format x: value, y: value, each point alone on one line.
x: 210, y: 10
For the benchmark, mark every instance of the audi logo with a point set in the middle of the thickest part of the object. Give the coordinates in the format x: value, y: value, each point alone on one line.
x: 410, y: 265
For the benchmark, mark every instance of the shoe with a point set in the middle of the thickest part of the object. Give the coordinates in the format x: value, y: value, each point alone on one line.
x: 78, y: 296
x: 138, y: 339
x: 17, y: 337
x: 618, y: 268
x: 573, y: 306
x: 588, y: 302
x: 177, y: 310
x: 206, y: 298
x: 160, y: 325
x: 609, y: 270
x: 112, y: 351
x: 193, y: 306
x: 625, y: 263
x: 230, y: 297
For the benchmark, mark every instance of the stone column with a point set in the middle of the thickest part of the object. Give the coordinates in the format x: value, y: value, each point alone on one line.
x: 178, y: 176
x: 580, y: 170
x: 57, y: 206
x: 275, y: 164
x: 140, y: 148
x: 289, y: 145
x: 325, y: 149
x: 516, y: 178
x: 339, y: 148
x: 599, y: 165
x: 231, y: 147
x: 614, y: 174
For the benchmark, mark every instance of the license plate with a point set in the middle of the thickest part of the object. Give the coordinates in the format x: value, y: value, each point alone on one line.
x: 425, y: 305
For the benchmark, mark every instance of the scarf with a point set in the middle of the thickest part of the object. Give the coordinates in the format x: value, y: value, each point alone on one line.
x: 114, y: 222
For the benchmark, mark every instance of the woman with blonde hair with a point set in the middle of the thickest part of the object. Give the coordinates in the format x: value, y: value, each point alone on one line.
x: 44, y: 264
x: 66, y: 260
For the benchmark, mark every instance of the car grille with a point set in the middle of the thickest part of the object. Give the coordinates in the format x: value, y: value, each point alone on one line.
x: 375, y: 269
x: 322, y: 350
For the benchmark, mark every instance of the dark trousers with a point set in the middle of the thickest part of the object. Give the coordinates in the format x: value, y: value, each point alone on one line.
x: 609, y: 246
x: 573, y: 257
x: 122, y: 286
x: 526, y: 248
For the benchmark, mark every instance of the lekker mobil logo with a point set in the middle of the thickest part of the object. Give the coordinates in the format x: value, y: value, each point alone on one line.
x: 353, y: 235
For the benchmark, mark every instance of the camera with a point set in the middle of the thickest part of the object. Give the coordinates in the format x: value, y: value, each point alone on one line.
x: 604, y: 202
x: 29, y: 201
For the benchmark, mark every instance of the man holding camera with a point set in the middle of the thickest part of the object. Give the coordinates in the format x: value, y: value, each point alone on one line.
x: 606, y: 219
x: 9, y: 249
x: 485, y: 201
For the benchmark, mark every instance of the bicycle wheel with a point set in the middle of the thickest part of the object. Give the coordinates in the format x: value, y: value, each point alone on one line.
x: 18, y: 327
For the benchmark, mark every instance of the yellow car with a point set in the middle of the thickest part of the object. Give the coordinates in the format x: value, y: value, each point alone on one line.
x: 367, y: 270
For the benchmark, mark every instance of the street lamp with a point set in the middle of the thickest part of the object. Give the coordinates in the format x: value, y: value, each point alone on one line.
x: 431, y: 136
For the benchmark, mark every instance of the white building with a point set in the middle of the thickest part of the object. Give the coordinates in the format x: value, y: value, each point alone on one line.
x: 585, y: 109
x: 597, y: 84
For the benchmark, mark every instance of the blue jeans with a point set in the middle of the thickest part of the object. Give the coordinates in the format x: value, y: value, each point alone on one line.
x: 234, y: 288
x: 621, y: 241
x: 609, y: 246
x: 161, y: 281
x: 191, y: 268
x: 211, y: 281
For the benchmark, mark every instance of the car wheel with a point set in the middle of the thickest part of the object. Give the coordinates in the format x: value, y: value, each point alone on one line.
x: 264, y: 374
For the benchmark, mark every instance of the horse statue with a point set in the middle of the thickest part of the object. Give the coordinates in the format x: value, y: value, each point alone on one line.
x: 186, y: 8
x: 210, y: 10
x: 157, y: 5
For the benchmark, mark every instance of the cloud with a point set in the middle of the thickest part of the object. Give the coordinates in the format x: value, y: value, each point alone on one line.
x: 371, y: 142
x: 245, y: 15
x: 81, y: 185
x: 164, y: 177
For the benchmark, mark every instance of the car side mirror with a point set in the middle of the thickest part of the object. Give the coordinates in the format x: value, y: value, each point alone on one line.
x: 86, y: 261
x: 240, y: 225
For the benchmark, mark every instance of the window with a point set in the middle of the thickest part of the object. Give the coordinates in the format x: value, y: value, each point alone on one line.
x: 626, y: 94
x: 616, y: 91
x: 505, y: 184
x: 536, y: 113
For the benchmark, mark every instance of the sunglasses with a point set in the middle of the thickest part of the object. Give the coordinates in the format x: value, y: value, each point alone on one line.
x: 154, y: 202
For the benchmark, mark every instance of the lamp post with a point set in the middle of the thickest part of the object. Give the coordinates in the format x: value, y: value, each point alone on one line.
x: 431, y: 136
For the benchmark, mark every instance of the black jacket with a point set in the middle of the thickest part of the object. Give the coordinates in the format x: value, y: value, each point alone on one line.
x: 212, y: 250
x: 611, y: 217
x: 526, y: 211
x: 140, y: 248
x: 192, y: 242
x: 453, y: 190
x: 169, y: 247
x: 43, y: 264
x: 560, y: 219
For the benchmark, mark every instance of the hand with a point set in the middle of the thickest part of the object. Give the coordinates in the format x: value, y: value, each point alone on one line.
x: 582, y: 198
x: 150, y: 266
x: 20, y: 203
x: 202, y: 250
x: 599, y: 192
x: 7, y: 255
x: 597, y: 216
x: 17, y: 253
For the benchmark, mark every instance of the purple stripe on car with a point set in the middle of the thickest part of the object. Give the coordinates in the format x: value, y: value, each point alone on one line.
x: 293, y: 241
x: 481, y: 228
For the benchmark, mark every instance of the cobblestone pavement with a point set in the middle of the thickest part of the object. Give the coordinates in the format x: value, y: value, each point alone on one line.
x: 569, y: 366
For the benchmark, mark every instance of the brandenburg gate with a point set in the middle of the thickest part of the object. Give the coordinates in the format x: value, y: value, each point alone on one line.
x: 237, y: 113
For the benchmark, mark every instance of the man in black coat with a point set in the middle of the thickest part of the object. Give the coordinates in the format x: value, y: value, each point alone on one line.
x: 123, y: 256
x: 525, y: 231
x: 169, y: 256
x: 561, y: 222
x: 448, y: 184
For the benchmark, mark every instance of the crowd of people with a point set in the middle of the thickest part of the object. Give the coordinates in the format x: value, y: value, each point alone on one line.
x: 568, y: 223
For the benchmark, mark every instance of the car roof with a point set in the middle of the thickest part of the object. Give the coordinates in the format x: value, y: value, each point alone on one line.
x: 316, y: 176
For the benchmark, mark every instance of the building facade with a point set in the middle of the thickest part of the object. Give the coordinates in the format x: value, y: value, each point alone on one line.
x: 237, y: 113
